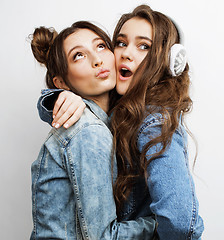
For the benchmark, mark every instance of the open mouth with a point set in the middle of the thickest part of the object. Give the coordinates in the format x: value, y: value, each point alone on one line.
x: 125, y: 72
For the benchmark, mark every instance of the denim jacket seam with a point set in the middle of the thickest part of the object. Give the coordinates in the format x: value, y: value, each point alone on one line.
x: 146, y: 125
x: 193, y: 217
x: 62, y: 158
x: 133, y: 207
x: 78, y: 228
x: 76, y: 190
x: 53, y: 132
x: 35, y: 193
x: 194, y: 210
x: 65, y: 141
x: 43, y: 99
x: 46, y: 93
x: 179, y: 129
x: 60, y: 139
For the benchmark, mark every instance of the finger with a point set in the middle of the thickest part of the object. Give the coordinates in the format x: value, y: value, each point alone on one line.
x: 75, y: 117
x: 60, y: 120
x: 65, y: 112
x: 58, y: 103
x: 65, y: 99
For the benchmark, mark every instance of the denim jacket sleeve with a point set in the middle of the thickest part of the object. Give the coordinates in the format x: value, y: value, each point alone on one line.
x: 46, y: 102
x: 171, y: 186
x: 88, y: 161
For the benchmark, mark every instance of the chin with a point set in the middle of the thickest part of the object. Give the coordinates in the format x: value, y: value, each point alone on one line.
x: 121, y: 87
x: 121, y: 90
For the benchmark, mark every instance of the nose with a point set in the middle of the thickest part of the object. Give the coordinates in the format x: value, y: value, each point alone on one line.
x: 97, y: 61
x: 127, y: 53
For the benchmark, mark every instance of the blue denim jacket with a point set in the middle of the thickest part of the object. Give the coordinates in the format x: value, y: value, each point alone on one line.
x: 72, y: 195
x: 169, y: 193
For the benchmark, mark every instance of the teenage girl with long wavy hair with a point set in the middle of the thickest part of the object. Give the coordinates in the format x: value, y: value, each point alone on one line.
x: 148, y: 109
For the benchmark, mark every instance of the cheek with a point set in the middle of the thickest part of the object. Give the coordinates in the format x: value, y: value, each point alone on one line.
x: 73, y: 74
x: 111, y: 58
x: 76, y: 74
x: 140, y: 58
x: 116, y: 56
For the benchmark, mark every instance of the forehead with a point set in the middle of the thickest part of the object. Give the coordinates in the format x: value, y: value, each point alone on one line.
x: 137, y: 27
x: 79, y: 38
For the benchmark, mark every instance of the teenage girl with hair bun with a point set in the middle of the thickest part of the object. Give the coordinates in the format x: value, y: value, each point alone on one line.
x: 72, y: 194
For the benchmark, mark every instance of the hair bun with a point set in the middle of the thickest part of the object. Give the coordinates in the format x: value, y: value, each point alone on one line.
x: 42, y: 39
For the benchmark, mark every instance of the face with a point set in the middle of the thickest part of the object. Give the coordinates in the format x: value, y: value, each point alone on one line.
x: 91, y: 65
x: 132, y: 45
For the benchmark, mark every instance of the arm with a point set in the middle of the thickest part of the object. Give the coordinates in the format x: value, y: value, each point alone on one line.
x: 58, y: 107
x: 46, y: 102
x: 90, y: 175
x: 171, y: 187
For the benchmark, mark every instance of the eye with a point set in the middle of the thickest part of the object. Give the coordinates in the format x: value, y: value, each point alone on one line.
x: 120, y: 44
x: 144, y: 46
x: 101, y: 46
x: 78, y: 56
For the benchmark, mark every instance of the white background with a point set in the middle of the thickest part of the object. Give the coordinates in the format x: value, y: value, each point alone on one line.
x: 21, y: 78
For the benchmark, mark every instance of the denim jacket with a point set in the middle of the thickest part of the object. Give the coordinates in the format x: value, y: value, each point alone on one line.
x: 169, y: 193
x: 72, y: 195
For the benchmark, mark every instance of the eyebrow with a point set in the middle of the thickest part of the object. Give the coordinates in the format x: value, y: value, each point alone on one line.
x: 138, y: 37
x: 79, y: 46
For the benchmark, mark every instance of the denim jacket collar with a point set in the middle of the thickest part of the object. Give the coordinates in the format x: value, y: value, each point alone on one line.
x: 97, y: 111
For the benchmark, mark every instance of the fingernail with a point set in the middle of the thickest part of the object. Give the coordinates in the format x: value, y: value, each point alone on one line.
x: 57, y: 125
x: 66, y: 125
x: 53, y: 124
x: 53, y: 116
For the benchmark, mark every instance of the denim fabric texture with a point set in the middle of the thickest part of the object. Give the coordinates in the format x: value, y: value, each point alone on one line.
x: 169, y: 193
x: 72, y: 195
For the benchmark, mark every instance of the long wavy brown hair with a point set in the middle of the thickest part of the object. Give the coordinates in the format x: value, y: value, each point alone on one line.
x: 152, y: 86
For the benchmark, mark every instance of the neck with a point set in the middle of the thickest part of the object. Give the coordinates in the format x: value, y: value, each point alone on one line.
x: 102, y: 101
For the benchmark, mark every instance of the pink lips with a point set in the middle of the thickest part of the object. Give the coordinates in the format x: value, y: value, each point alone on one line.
x: 103, y: 73
x: 123, y: 66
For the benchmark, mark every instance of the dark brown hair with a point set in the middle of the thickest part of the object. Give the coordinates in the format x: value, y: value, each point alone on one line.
x: 152, y: 86
x: 47, y: 48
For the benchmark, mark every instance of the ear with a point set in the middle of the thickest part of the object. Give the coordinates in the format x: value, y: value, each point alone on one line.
x: 60, y: 83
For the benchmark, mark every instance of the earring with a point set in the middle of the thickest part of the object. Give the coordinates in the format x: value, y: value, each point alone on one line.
x: 178, y: 59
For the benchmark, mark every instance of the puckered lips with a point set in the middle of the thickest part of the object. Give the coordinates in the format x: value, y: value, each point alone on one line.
x: 124, y: 72
x: 103, y: 73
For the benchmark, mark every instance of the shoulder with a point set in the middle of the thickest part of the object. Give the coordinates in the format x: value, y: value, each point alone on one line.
x: 151, y: 120
x: 87, y: 137
x: 156, y: 120
x: 151, y: 128
x: 88, y: 125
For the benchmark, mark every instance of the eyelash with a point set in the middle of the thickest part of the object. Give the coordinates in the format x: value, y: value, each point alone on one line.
x: 74, y: 57
x: 145, y: 45
x: 118, y: 43
x: 142, y: 44
x: 100, y: 44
